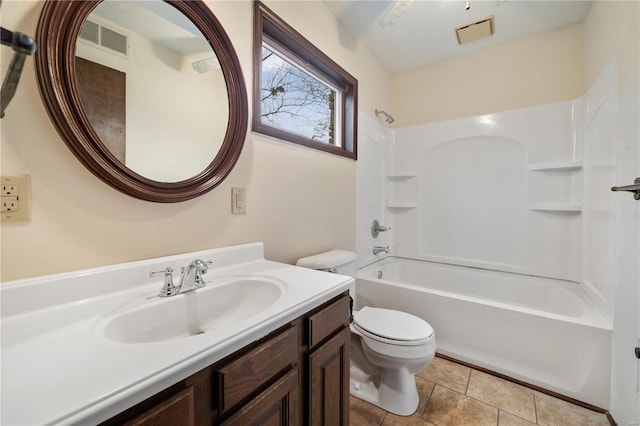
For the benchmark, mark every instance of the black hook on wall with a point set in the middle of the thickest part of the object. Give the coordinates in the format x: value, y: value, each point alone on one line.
x: 22, y: 45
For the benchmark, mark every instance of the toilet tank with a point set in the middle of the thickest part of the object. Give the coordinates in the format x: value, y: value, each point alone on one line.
x: 337, y: 261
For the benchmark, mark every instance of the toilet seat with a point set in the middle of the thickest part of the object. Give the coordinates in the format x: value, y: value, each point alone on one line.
x: 392, y: 327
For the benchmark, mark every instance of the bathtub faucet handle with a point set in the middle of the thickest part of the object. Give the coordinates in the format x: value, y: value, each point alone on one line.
x: 376, y: 228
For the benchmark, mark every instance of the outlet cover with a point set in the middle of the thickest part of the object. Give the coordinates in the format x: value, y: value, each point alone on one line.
x: 16, y: 199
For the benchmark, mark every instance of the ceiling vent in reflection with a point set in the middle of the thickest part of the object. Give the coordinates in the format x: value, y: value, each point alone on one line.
x: 475, y: 31
x: 108, y: 38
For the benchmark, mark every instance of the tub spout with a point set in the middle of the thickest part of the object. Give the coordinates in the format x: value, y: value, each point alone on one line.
x: 380, y: 249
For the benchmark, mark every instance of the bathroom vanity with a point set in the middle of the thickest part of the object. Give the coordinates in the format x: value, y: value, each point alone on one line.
x: 260, y: 343
x: 297, y: 374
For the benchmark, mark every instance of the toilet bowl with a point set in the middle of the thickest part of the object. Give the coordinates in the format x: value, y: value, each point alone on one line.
x: 387, y: 346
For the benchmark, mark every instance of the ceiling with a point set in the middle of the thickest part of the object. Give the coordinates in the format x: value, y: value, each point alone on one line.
x: 425, y: 32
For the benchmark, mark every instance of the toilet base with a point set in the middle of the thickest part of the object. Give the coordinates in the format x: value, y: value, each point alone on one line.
x: 394, y: 390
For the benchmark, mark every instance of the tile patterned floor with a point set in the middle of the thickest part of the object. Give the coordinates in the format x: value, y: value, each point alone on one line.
x: 452, y: 394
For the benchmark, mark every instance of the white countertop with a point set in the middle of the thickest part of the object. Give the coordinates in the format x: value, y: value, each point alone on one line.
x: 58, y: 367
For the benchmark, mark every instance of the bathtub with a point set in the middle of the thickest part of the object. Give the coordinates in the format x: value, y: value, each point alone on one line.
x: 542, y: 331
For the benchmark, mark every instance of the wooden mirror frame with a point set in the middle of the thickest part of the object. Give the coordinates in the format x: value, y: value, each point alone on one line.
x: 58, y: 29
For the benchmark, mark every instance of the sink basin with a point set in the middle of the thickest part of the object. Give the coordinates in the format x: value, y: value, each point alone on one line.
x: 195, y: 312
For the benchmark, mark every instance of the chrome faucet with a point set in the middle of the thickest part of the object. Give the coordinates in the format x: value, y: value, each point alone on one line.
x: 380, y: 249
x: 198, y: 267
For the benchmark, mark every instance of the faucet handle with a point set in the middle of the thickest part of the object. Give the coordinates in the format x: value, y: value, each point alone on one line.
x: 168, y: 289
x: 201, y: 268
x: 168, y: 271
x: 376, y: 228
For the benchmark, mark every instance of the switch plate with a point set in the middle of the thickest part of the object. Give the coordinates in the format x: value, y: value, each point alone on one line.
x: 238, y: 201
x: 15, y: 192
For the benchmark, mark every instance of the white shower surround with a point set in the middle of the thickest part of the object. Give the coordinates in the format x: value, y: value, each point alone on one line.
x: 440, y: 188
x: 526, y: 190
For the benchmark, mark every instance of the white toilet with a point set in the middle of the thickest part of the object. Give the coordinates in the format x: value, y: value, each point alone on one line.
x: 387, y: 347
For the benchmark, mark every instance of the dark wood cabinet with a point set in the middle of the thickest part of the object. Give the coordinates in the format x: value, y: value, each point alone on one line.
x: 329, y: 382
x: 298, y: 374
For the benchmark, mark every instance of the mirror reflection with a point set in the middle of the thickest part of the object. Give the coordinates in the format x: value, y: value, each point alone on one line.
x: 152, y: 88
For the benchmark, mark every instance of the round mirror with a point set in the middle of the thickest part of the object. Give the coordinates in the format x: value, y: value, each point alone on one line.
x: 148, y: 95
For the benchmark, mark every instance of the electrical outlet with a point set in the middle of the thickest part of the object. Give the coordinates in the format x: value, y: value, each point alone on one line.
x: 9, y: 189
x: 238, y: 201
x: 15, y: 199
x: 10, y: 204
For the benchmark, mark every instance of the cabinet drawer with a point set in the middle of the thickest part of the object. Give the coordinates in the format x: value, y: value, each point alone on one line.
x: 177, y: 410
x: 246, y: 374
x: 277, y: 405
x: 324, y: 323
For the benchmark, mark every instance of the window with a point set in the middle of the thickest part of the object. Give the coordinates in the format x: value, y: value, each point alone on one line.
x: 300, y: 95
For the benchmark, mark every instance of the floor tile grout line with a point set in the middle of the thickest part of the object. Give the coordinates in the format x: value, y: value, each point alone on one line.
x: 506, y: 411
x: 447, y: 387
x: 535, y: 407
x: 426, y: 404
x: 535, y: 422
x: 535, y: 414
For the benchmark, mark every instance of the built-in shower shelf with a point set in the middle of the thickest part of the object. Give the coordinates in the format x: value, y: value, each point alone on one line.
x: 402, y: 205
x: 559, y: 208
x: 402, y: 175
x: 562, y: 165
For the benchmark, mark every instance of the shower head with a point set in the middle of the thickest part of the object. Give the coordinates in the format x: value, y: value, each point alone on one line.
x: 388, y: 118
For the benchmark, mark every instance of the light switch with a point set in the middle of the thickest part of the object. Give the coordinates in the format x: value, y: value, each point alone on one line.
x: 238, y: 201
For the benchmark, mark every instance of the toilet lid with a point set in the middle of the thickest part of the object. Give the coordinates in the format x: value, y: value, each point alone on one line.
x: 393, y: 325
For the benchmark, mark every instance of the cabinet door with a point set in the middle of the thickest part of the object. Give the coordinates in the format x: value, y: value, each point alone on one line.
x: 276, y: 406
x: 329, y: 381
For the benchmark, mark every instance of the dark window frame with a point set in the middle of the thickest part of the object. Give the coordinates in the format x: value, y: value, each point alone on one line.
x: 275, y: 30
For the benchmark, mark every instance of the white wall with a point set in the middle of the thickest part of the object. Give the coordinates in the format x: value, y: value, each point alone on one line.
x: 299, y: 201
x: 611, y: 33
